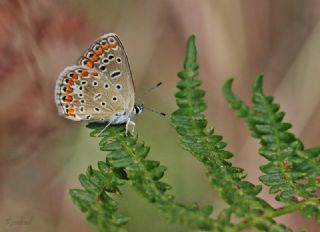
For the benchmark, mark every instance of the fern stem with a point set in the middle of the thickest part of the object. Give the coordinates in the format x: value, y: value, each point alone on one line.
x: 270, y: 214
x: 292, y: 207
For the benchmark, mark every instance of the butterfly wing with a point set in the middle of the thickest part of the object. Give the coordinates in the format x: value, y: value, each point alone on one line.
x: 108, y: 56
x: 86, y: 94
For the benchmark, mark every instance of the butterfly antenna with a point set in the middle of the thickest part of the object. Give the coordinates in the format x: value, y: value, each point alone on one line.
x: 154, y: 111
x: 145, y: 93
x: 149, y: 90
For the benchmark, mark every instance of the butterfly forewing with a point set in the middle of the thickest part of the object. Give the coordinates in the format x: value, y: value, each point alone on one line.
x: 107, y: 55
x: 86, y: 94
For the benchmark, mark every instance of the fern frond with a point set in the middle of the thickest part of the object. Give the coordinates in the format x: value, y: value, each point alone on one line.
x: 208, y: 148
x: 292, y: 171
x: 126, y: 159
x: 95, y: 200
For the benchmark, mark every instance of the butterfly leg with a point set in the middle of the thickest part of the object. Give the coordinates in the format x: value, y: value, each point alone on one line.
x: 104, y: 128
x: 130, y: 122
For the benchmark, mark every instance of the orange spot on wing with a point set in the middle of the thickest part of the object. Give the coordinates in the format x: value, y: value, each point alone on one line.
x: 69, y: 90
x: 70, y: 111
x: 94, y: 74
x: 68, y: 99
x: 75, y: 76
x: 99, y: 51
x: 94, y: 58
x: 70, y: 82
x: 105, y: 46
x: 84, y: 73
x: 89, y: 64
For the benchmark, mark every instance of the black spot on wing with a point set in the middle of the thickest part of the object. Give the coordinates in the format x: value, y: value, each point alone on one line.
x: 115, y: 74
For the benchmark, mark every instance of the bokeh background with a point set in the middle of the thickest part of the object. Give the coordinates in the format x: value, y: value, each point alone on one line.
x: 42, y: 153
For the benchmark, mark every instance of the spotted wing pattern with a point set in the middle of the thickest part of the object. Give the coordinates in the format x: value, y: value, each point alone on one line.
x: 87, y: 94
x: 107, y: 55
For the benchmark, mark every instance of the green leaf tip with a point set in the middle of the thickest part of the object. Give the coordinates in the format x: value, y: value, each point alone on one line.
x: 190, y: 61
x: 258, y: 83
x: 191, y: 56
x: 241, y: 108
x: 227, y: 89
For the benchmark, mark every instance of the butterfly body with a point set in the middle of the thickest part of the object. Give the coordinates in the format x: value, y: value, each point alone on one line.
x: 100, y: 86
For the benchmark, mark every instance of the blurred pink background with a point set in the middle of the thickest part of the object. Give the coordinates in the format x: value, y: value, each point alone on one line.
x: 42, y: 153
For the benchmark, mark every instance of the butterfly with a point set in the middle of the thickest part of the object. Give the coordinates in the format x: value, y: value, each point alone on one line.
x: 99, y: 88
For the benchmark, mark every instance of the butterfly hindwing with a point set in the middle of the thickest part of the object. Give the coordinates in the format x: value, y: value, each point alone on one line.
x: 87, y: 94
x: 107, y: 55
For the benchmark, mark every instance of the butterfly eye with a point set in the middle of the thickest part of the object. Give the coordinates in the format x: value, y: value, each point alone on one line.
x: 102, y: 67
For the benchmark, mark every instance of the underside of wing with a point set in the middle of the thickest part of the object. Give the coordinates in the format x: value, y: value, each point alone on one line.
x: 86, y: 94
x: 107, y: 55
